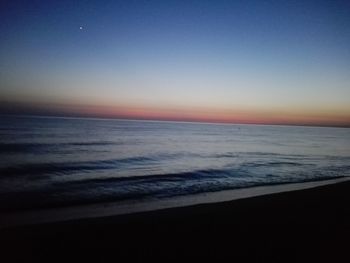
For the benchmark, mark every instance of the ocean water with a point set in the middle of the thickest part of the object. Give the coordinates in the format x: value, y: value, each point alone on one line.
x: 50, y: 162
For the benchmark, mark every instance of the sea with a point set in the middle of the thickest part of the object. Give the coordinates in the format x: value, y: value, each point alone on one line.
x: 49, y: 162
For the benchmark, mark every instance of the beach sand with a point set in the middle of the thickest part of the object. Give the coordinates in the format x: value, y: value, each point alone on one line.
x: 303, y: 225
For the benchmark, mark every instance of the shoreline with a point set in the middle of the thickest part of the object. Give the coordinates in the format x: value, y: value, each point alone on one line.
x: 112, y: 209
x: 310, y: 225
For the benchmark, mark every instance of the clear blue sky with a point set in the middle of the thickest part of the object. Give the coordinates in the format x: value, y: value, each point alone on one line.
x: 253, y: 61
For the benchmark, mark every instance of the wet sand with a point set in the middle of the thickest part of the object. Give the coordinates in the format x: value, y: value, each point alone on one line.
x: 303, y: 225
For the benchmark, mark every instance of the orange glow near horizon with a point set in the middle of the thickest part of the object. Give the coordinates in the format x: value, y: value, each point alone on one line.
x: 223, y: 116
x: 196, y: 114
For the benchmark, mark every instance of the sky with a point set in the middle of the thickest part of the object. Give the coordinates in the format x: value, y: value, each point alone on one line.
x: 268, y: 62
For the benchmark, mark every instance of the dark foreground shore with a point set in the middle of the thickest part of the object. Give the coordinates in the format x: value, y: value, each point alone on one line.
x: 306, y: 225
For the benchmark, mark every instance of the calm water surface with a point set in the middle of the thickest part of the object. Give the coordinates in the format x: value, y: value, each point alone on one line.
x: 46, y: 162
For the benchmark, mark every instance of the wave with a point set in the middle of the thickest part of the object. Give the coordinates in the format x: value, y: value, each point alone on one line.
x: 115, y: 189
x: 163, y: 185
x: 229, y: 171
x: 38, y: 169
x: 171, y: 177
x: 6, y: 148
x: 273, y: 163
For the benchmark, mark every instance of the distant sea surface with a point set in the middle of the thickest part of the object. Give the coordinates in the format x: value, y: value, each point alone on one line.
x: 49, y: 162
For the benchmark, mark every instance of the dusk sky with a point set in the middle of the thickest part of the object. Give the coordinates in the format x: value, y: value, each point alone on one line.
x: 273, y: 62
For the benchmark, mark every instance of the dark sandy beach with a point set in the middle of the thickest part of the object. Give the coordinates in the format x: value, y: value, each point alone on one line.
x: 304, y: 225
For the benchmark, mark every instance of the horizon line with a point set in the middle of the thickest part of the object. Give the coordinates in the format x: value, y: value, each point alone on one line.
x: 91, y: 117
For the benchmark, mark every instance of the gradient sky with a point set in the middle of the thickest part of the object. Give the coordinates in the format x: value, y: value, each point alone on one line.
x: 279, y: 62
